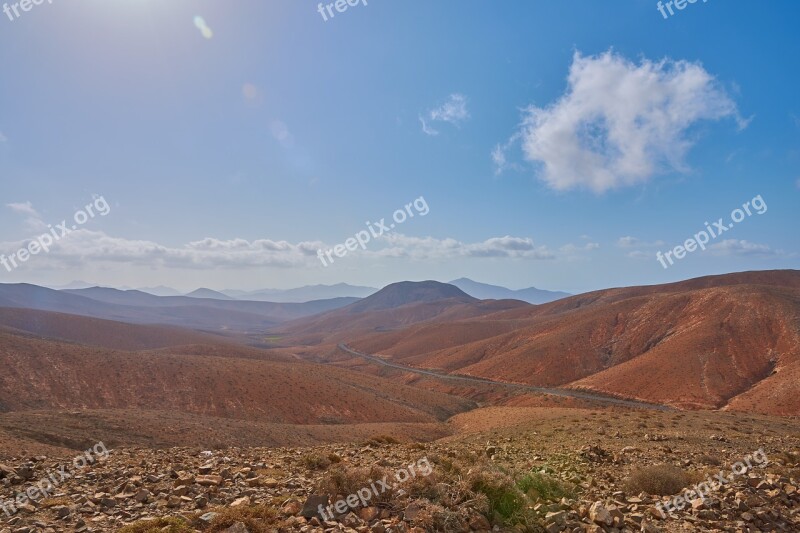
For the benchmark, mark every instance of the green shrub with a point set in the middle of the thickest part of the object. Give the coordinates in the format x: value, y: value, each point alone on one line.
x: 541, y: 487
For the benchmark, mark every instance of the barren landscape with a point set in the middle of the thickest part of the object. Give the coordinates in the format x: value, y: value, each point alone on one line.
x: 407, y: 266
x: 532, y: 416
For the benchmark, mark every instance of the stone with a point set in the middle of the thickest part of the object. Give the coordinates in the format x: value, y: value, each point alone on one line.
x: 238, y: 527
x: 599, y: 514
x: 208, y: 481
x: 311, y: 507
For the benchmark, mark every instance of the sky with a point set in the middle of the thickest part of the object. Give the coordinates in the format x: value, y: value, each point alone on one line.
x: 251, y: 144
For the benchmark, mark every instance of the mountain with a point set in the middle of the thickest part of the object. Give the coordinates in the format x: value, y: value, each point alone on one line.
x: 395, y: 306
x: 730, y: 341
x: 407, y: 292
x: 303, y: 294
x: 138, y: 307
x: 160, y: 290
x: 485, y: 291
x: 73, y: 285
x: 208, y: 293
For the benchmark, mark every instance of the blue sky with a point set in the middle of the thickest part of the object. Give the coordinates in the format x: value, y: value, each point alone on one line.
x: 556, y: 144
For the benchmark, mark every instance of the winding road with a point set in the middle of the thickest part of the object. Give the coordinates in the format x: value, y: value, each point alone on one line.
x: 566, y: 393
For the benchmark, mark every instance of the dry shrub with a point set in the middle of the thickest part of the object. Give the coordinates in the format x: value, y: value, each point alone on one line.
x: 709, y: 460
x: 380, y: 440
x: 343, y: 480
x: 52, y: 502
x: 257, y: 518
x: 659, y: 480
x: 316, y: 461
x: 159, y: 525
x: 435, y: 517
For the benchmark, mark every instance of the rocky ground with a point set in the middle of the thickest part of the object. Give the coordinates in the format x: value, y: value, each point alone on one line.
x: 582, y: 471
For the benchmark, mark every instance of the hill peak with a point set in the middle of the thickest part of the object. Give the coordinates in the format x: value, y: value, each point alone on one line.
x: 408, y: 292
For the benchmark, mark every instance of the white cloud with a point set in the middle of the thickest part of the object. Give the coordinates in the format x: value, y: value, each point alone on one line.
x: 638, y: 254
x: 23, y: 208
x: 33, y: 221
x: 632, y: 242
x: 453, y: 111
x: 83, y: 246
x: 423, y: 248
x: 742, y: 247
x: 572, y: 248
x: 619, y: 123
x: 427, y: 129
x: 3, y: 138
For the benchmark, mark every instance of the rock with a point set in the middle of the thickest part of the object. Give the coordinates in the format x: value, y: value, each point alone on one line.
x: 238, y: 527
x: 311, y: 507
x: 559, y: 517
x: 293, y: 507
x: 207, y: 518
x: 244, y: 500
x: 143, y: 496
x: 208, y: 481
x: 599, y: 514
x: 368, y: 514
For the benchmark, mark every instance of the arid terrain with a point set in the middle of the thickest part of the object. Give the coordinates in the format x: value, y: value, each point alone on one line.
x: 581, y: 414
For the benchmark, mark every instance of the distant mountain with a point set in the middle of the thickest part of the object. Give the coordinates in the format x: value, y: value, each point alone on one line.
x: 484, y: 291
x: 395, y: 306
x: 303, y: 294
x: 73, y: 285
x: 161, y: 290
x: 139, y: 307
x: 208, y: 293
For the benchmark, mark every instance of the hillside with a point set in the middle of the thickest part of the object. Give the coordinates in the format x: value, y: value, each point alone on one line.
x: 700, y: 344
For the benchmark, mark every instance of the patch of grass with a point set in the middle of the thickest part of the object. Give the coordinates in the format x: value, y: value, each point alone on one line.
x: 169, y: 524
x: 659, y: 480
x: 506, y: 502
x: 257, y: 518
x: 541, y: 487
x: 53, y: 502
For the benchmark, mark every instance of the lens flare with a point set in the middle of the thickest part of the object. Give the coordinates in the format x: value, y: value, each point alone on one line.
x: 201, y: 25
